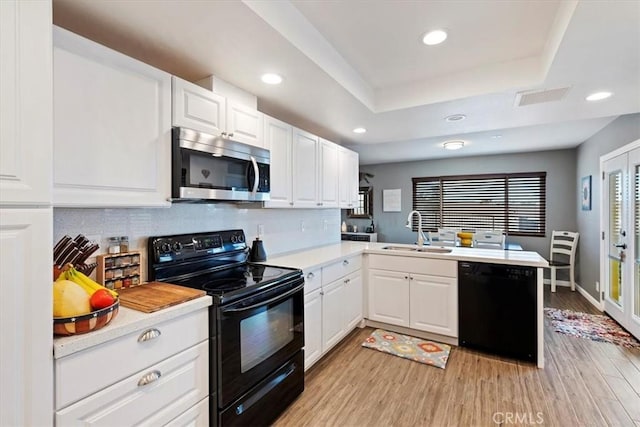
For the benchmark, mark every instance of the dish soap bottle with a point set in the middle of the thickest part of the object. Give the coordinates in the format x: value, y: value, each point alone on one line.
x: 344, y: 227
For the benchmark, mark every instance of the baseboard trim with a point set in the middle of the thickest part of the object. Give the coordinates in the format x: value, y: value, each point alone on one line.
x: 565, y: 283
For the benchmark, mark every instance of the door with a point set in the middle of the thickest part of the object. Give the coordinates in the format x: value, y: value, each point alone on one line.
x: 329, y: 174
x: 353, y: 300
x: 257, y: 335
x: 245, y: 124
x: 112, y: 127
x: 434, y: 304
x: 305, y: 169
x: 333, y: 314
x: 312, y: 328
x: 621, y: 244
x: 278, y: 140
x: 389, y: 297
x: 197, y: 108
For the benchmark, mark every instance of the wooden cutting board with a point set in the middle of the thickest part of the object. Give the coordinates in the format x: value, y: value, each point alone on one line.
x: 154, y: 296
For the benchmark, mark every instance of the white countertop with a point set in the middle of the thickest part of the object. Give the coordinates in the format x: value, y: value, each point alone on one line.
x: 126, y: 321
x: 324, y: 255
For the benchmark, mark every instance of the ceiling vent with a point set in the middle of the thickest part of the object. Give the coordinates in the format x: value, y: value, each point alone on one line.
x: 540, y: 96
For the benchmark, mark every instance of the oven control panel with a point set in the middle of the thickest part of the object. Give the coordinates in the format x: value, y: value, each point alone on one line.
x: 181, y: 247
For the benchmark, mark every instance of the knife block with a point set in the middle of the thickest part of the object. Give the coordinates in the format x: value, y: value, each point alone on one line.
x: 117, y: 271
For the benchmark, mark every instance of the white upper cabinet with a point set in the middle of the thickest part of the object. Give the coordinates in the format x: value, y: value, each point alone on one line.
x: 244, y: 124
x: 305, y: 169
x: 348, y: 178
x: 25, y: 103
x: 328, y: 189
x: 112, y: 127
x: 197, y: 108
x: 200, y: 109
x: 278, y: 140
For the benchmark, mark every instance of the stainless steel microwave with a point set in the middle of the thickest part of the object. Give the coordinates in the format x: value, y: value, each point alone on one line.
x: 208, y: 167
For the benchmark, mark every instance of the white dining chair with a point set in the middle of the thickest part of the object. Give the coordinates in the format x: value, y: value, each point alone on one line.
x: 446, y: 237
x: 491, y: 239
x: 562, y: 255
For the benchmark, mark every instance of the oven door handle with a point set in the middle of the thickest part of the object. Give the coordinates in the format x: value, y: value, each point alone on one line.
x: 256, y: 174
x: 263, y: 303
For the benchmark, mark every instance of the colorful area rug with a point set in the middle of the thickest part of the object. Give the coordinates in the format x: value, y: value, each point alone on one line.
x: 592, y: 326
x: 427, y: 352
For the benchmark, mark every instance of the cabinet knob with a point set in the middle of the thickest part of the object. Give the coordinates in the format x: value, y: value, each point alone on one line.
x: 406, y: 277
x: 230, y: 134
x: 345, y: 262
x: 149, y: 378
x: 223, y: 134
x: 149, y: 335
x: 347, y: 280
x: 321, y: 292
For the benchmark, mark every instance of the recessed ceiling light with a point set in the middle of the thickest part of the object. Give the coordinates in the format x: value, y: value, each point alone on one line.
x: 453, y: 145
x: 271, y: 78
x: 359, y: 130
x: 597, y: 96
x: 434, y: 37
x: 455, y: 117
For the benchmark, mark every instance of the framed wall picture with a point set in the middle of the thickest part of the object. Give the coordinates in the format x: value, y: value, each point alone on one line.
x: 586, y: 193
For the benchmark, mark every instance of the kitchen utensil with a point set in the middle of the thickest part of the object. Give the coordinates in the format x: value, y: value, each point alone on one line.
x: 257, y: 254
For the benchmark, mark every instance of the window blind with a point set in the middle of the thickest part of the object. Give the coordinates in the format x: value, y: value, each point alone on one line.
x: 515, y: 203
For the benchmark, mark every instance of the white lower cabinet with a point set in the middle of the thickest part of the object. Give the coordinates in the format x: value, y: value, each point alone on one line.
x: 389, y: 297
x: 353, y: 300
x: 415, y: 293
x: 312, y: 327
x: 197, y: 416
x: 433, y: 304
x: 333, y: 315
x: 152, y: 397
x: 153, y: 376
x: 332, y: 306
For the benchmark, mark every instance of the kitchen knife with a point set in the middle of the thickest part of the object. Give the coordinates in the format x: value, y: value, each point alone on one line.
x: 69, y: 256
x: 60, y: 246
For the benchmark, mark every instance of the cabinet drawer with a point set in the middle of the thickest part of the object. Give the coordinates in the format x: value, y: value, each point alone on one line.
x: 340, y: 269
x: 197, y: 416
x: 172, y: 387
x: 434, y: 267
x: 93, y: 369
x: 312, y: 280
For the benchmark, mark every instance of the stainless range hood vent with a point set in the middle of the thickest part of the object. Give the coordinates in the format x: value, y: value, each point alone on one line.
x: 540, y: 96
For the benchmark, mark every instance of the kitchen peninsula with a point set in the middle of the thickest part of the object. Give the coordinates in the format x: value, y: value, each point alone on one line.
x: 404, y: 288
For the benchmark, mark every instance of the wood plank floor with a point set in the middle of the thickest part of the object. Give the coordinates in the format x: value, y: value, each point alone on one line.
x: 584, y: 383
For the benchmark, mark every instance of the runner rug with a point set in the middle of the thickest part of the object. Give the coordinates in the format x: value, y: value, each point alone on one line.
x: 591, y: 326
x: 416, y: 349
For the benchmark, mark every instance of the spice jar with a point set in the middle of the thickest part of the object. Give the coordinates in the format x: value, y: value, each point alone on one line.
x: 114, y: 245
x: 124, y: 244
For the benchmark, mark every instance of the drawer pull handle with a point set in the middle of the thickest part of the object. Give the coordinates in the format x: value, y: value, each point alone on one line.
x: 345, y: 262
x: 310, y: 276
x: 149, y: 335
x: 149, y: 378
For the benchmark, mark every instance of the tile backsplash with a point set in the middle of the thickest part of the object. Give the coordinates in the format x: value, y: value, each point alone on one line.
x: 285, y: 230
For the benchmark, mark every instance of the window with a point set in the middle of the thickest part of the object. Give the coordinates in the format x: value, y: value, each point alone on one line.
x: 515, y: 202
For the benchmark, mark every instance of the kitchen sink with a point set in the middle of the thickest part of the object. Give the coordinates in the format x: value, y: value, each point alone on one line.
x: 418, y: 249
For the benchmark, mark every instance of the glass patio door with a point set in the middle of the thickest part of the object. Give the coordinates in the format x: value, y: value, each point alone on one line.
x: 621, y: 244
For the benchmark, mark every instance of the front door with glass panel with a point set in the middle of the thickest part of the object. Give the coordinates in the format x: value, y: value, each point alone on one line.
x: 621, y: 245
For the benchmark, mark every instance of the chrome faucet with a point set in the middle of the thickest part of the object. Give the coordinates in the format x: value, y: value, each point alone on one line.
x: 421, y: 238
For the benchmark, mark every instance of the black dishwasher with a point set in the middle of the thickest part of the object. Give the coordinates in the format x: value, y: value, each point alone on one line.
x: 497, y: 309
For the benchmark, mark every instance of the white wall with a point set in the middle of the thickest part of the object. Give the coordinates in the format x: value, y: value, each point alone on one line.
x: 282, y: 227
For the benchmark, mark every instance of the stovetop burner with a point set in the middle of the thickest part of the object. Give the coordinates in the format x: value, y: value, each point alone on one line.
x: 215, y: 262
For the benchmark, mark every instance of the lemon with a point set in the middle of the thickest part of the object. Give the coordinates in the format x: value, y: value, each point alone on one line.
x: 69, y: 299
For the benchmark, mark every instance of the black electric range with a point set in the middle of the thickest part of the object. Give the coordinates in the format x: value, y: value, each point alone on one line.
x: 256, y: 322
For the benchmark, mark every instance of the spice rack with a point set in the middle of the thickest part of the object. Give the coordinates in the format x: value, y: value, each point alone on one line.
x: 117, y: 271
